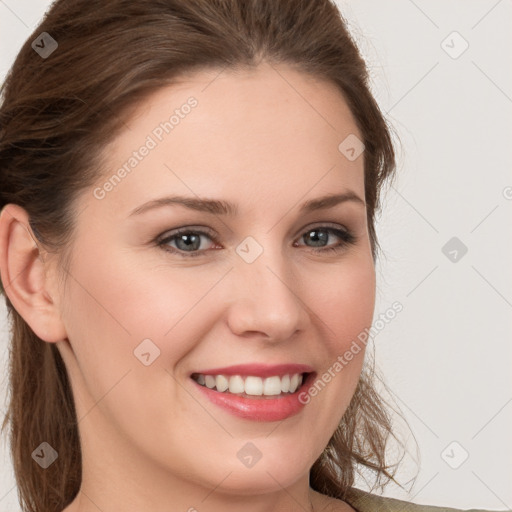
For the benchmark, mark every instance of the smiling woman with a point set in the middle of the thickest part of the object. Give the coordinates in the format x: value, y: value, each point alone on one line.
x: 178, y: 324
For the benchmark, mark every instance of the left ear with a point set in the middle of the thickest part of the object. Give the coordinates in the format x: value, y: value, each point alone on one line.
x: 25, y: 275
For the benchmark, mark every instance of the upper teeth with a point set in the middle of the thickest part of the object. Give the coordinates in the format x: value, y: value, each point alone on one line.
x: 251, y: 385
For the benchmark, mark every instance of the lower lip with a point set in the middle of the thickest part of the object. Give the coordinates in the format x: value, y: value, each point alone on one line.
x: 261, y: 408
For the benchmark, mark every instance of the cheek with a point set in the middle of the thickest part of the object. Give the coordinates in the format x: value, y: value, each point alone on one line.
x: 123, y: 303
x: 345, y: 307
x: 108, y: 314
x: 113, y: 312
x: 345, y: 301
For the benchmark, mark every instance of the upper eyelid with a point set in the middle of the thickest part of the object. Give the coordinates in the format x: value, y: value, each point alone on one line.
x: 213, y: 233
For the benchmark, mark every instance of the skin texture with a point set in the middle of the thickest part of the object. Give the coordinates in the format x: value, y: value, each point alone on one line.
x: 267, y: 140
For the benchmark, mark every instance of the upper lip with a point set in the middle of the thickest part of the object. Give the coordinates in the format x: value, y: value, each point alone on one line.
x: 258, y: 370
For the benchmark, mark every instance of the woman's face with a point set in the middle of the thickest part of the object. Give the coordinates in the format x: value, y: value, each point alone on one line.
x: 268, y: 283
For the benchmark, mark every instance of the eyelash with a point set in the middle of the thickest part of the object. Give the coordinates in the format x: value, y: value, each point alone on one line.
x: 346, y: 236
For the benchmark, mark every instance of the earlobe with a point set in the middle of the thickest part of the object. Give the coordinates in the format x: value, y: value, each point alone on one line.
x: 24, y: 276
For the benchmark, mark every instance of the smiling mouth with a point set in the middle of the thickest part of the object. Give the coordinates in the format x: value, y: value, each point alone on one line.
x: 251, y: 386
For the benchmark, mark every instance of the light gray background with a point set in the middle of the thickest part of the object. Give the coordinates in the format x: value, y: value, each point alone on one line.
x: 447, y: 355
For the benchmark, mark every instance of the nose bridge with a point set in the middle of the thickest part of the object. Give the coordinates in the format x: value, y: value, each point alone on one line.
x: 267, y: 297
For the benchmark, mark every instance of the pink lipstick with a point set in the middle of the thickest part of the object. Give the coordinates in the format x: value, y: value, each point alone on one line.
x: 257, y: 392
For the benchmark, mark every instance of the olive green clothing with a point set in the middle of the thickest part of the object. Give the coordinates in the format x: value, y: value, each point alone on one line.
x: 366, y: 502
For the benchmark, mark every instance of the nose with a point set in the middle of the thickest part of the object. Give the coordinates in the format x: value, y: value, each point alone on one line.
x: 266, y: 298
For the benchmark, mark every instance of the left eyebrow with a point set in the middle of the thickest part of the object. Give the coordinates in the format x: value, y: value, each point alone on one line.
x: 329, y: 201
x: 220, y: 207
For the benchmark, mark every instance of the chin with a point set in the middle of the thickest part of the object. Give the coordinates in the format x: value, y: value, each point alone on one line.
x: 270, y: 473
x: 260, y: 480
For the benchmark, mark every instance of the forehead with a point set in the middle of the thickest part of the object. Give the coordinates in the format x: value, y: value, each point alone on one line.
x: 244, y: 135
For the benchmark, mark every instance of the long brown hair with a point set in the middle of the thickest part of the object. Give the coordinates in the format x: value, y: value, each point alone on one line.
x: 59, y: 111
